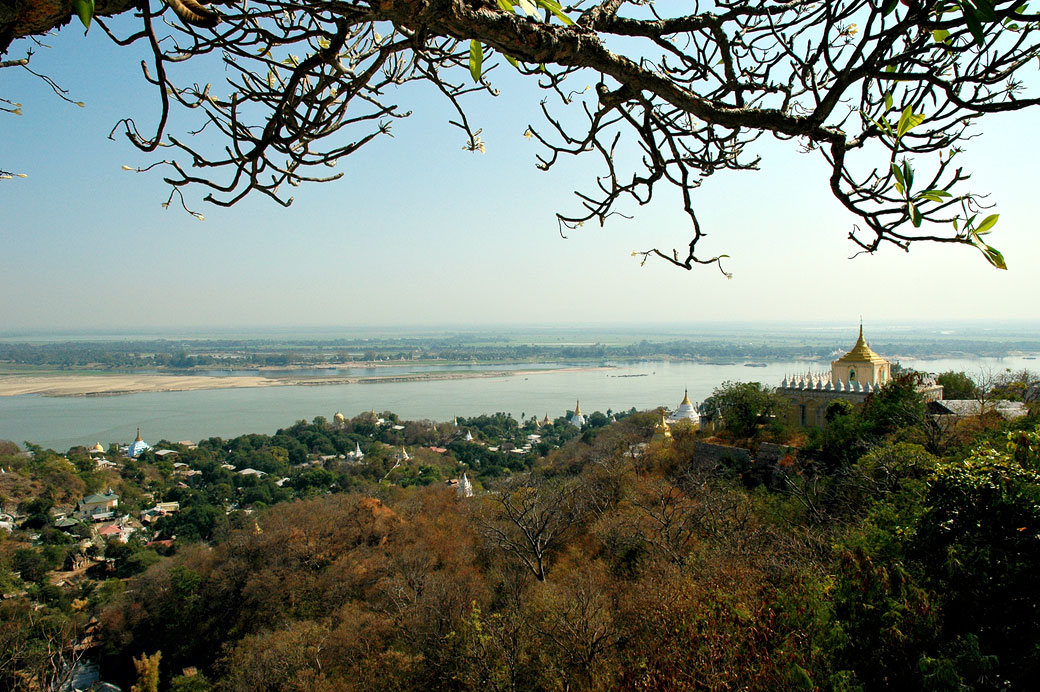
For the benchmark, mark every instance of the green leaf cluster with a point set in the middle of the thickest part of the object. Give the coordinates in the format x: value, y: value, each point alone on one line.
x: 974, y: 235
x: 527, y: 8
x: 84, y: 10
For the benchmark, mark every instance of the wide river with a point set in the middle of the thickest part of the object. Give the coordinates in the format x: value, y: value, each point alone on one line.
x: 63, y: 422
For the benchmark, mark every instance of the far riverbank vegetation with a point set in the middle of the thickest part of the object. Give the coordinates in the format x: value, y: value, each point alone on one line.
x: 186, y: 355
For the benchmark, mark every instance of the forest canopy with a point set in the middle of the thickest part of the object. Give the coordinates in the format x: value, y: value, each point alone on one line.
x: 886, y: 92
x: 883, y: 554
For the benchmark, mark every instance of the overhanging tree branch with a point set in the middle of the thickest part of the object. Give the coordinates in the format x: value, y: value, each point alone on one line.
x: 886, y: 91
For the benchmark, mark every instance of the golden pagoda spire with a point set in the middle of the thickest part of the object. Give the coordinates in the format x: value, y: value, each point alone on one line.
x: 138, y: 434
x: 686, y: 398
x: 861, y: 352
x: 577, y: 408
x: 861, y: 343
x: 662, y: 431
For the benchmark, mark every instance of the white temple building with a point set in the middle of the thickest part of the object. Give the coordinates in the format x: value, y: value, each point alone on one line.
x: 685, y: 412
x: 578, y: 420
x: 137, y: 447
x: 357, y: 454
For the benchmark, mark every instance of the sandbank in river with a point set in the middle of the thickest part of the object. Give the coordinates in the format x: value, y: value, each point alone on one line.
x: 113, y: 384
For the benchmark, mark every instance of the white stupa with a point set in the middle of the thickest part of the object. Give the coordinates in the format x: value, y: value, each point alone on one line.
x: 686, y: 411
x: 577, y: 420
x: 137, y: 447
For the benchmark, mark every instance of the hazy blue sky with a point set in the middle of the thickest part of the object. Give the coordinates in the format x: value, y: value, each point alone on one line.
x: 421, y: 232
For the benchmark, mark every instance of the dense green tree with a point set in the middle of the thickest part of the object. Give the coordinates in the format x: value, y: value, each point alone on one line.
x: 957, y: 385
x: 52, y: 536
x: 38, y: 510
x: 935, y: 588
x: 743, y: 406
x: 198, y: 522
x: 898, y: 406
x: 840, y: 442
x: 979, y: 546
x: 888, y: 622
x: 33, y: 565
x: 139, y: 561
x: 838, y: 407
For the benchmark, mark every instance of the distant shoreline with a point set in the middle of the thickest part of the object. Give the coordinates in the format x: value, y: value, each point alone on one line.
x: 94, y: 384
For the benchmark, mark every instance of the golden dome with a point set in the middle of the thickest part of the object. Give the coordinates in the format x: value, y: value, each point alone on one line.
x: 338, y: 417
x: 97, y: 448
x: 861, y: 353
x: 662, y: 429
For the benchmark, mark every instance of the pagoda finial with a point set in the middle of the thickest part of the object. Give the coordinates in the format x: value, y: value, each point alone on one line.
x: 686, y: 398
x: 577, y: 407
x: 138, y: 434
x: 860, y: 342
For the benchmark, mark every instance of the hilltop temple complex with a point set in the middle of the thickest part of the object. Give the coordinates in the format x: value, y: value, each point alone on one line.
x: 853, y: 377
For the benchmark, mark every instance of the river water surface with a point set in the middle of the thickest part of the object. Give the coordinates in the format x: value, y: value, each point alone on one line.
x: 62, y: 422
